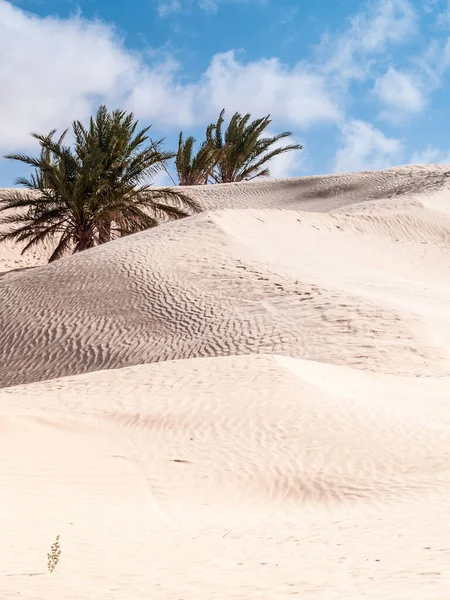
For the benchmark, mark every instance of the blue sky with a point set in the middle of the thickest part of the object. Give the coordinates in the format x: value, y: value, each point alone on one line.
x: 363, y: 85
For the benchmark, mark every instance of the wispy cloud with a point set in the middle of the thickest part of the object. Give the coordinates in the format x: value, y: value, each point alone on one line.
x: 443, y: 14
x: 400, y: 94
x: 430, y: 6
x: 379, y: 25
x: 431, y: 156
x: 170, y: 7
x: 363, y: 147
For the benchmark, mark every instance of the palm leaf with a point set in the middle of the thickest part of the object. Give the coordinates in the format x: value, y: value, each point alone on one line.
x: 243, y: 152
x: 98, y: 189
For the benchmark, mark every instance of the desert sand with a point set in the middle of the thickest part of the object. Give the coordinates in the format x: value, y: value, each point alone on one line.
x: 250, y: 403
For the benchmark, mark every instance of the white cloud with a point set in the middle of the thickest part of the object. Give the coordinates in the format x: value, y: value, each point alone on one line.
x: 169, y: 7
x: 400, y: 93
x: 363, y: 147
x: 295, y: 96
x: 431, y: 64
x: 431, y: 156
x: 157, y: 95
x: 48, y: 88
x: 392, y: 22
x: 76, y: 64
x: 371, y: 31
x: 52, y: 70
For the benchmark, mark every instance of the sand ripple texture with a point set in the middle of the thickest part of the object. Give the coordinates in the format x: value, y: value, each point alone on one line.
x: 250, y: 403
x: 236, y: 477
x: 366, y: 288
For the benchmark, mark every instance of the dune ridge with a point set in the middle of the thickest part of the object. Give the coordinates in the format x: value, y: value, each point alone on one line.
x: 249, y: 403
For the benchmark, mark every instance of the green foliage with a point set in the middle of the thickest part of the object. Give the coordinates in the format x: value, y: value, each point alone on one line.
x: 97, y: 190
x: 240, y: 153
x: 54, y: 555
x: 195, y: 169
x: 244, y: 152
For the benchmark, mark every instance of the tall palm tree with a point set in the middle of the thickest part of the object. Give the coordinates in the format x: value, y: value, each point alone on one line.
x: 195, y: 169
x: 96, y: 191
x: 244, y: 152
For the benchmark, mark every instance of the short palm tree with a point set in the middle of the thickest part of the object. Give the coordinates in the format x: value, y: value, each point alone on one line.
x: 94, y: 192
x: 244, y: 152
x: 195, y: 169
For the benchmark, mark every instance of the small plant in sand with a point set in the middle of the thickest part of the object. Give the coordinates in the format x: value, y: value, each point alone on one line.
x: 54, y: 555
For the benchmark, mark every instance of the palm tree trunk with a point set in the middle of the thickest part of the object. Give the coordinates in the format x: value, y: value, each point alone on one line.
x: 104, y: 234
x: 84, y: 239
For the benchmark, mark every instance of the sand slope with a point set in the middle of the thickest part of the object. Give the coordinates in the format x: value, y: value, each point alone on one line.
x: 292, y: 434
x: 359, y: 291
x: 259, y: 477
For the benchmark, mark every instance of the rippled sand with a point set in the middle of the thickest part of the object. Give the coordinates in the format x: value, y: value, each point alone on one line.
x: 253, y: 402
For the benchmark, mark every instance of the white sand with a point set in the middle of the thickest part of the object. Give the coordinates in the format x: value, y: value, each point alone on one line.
x: 292, y: 436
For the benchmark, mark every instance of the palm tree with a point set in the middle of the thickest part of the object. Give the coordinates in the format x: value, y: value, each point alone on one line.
x: 195, y: 169
x: 244, y: 153
x: 94, y: 192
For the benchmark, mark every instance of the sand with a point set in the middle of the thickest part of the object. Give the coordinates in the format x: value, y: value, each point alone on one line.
x: 253, y: 402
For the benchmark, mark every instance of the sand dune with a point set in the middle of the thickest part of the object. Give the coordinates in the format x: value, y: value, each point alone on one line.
x: 237, y: 477
x: 292, y: 434
x: 237, y: 282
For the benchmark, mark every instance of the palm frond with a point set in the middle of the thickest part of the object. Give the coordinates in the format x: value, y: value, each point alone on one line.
x: 100, y: 188
x: 243, y: 151
x: 195, y: 169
